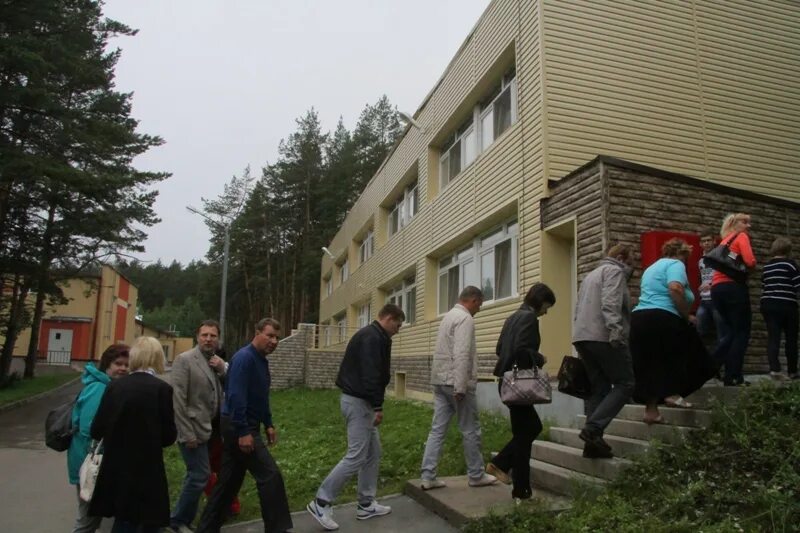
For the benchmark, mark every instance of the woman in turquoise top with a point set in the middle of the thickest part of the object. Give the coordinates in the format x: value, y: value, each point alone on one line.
x: 669, y: 359
x: 113, y: 364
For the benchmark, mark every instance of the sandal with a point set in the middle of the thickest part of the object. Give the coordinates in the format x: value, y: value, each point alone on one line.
x: 680, y: 402
x: 650, y: 421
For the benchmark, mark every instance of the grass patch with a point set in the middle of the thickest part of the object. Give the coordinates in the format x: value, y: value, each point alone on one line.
x: 25, y: 388
x: 312, y: 439
x: 742, y: 474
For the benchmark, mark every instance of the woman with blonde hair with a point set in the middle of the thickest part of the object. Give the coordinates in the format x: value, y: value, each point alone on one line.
x: 135, y: 421
x: 731, y: 299
x: 669, y: 358
x: 780, y: 282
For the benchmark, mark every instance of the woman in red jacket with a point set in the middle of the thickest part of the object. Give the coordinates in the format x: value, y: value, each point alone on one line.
x: 732, y: 300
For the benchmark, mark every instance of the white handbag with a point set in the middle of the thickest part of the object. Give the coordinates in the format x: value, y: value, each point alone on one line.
x: 89, y: 470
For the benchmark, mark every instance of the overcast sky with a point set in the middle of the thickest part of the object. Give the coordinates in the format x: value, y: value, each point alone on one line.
x: 222, y: 81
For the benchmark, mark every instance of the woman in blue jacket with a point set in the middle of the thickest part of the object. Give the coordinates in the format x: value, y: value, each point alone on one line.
x: 113, y: 364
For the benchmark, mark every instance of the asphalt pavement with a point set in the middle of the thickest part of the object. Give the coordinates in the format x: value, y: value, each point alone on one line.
x: 36, y: 497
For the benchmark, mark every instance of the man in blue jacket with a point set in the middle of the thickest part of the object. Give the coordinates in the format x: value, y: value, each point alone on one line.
x: 363, y: 377
x: 246, y: 408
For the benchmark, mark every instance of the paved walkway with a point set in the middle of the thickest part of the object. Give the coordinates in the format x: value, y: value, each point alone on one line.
x: 35, y: 496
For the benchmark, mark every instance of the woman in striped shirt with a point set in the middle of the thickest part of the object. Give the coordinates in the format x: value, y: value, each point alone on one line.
x: 780, y: 283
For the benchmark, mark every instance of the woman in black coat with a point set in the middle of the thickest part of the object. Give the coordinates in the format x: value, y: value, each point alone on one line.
x: 135, y: 420
x: 519, y: 344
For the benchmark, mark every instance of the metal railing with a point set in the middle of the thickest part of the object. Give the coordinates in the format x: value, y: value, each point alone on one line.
x: 331, y: 336
x: 59, y: 357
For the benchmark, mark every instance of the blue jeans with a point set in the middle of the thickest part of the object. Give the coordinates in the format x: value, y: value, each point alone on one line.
x: 707, y: 314
x: 732, y: 300
x: 197, y: 472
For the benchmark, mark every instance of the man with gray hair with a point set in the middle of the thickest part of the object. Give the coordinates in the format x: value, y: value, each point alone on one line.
x: 600, y: 334
x: 454, y: 376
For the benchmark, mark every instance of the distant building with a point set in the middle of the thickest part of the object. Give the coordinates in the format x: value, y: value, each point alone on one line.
x: 171, y: 342
x: 100, y: 311
x: 501, y: 184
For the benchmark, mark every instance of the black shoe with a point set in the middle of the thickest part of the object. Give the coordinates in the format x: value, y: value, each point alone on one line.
x: 592, y: 451
x: 595, y: 441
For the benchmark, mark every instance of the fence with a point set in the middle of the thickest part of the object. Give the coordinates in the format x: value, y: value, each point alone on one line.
x: 330, y: 336
x: 59, y: 357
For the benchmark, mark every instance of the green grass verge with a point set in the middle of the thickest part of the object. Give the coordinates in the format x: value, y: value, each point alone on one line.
x: 312, y: 439
x: 742, y: 474
x: 25, y: 388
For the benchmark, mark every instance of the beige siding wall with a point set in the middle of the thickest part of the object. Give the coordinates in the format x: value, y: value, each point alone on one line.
x: 491, y: 190
x: 709, y: 89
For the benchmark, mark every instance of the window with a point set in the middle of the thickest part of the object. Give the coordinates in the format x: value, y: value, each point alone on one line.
x: 344, y: 271
x: 458, y: 152
x: 363, y: 315
x: 341, y: 322
x: 366, y: 248
x: 404, y: 209
x: 499, y: 110
x: 488, y: 121
x: 488, y: 263
x: 328, y: 287
x: 404, y: 296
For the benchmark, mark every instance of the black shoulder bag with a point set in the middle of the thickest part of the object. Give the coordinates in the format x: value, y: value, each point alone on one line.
x: 725, y: 260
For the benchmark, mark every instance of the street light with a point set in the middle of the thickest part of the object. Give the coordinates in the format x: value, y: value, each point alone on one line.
x: 227, y: 229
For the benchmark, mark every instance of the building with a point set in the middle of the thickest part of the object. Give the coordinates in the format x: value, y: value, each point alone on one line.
x: 100, y: 311
x: 171, y: 342
x: 694, y: 97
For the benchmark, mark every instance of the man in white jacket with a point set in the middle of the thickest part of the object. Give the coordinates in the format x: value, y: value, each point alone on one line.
x: 454, y: 376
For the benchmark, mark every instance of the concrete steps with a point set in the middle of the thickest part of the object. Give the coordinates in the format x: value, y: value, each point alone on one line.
x: 561, y: 480
x: 572, y: 459
x: 633, y: 429
x: 621, y: 446
x: 694, y: 418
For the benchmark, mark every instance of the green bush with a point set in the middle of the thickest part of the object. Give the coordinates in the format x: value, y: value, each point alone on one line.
x: 742, y: 474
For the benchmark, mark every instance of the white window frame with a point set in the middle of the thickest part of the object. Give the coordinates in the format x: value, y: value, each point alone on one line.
x: 366, y: 248
x: 329, y: 286
x: 406, y: 207
x: 400, y: 293
x: 471, y: 148
x: 342, y: 323
x: 364, y: 315
x: 471, y: 256
x: 344, y: 271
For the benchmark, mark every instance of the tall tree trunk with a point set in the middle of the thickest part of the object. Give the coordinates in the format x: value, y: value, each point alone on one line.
x: 14, y: 326
x: 42, y: 278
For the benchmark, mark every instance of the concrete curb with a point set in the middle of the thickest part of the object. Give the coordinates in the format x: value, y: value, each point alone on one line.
x: 41, y: 395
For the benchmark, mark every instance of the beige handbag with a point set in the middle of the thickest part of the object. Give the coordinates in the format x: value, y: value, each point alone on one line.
x: 528, y: 386
x: 89, y: 470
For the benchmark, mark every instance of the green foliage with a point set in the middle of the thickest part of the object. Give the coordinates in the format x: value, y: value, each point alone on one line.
x: 312, y: 439
x: 742, y: 474
x: 183, y: 318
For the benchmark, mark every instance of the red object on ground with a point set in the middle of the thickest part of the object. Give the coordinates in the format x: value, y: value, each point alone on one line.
x: 215, y: 461
x: 650, y: 246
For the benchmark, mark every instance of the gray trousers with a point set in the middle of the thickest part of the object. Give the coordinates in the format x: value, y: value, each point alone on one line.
x: 363, y: 453
x: 444, y: 407
x: 85, y: 523
x: 610, y: 373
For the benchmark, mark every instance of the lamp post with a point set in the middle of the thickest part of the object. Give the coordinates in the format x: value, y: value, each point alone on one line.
x: 225, y: 254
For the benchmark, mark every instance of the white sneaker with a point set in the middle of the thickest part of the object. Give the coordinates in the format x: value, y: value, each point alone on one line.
x: 373, y: 509
x: 323, y: 514
x: 483, y: 481
x: 429, y: 484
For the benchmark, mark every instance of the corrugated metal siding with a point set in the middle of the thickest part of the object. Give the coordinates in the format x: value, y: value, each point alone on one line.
x: 708, y: 89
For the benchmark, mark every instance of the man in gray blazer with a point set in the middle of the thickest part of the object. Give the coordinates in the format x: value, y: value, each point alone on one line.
x: 197, y: 397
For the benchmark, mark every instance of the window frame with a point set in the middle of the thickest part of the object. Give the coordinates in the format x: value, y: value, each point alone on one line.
x: 475, y: 125
x: 364, y: 314
x: 344, y: 271
x: 367, y: 247
x: 402, y: 291
x: 406, y: 207
x: 472, y: 255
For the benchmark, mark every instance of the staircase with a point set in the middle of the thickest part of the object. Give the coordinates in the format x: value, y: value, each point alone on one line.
x: 558, y: 468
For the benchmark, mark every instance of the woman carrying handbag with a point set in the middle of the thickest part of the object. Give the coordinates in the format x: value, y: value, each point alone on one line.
x: 519, y: 345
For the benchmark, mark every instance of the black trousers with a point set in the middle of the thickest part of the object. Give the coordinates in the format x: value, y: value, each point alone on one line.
x: 516, y: 455
x: 269, y: 482
x: 781, y: 319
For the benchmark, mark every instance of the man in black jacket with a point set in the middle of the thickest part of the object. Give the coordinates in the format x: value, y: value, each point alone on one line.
x: 363, y: 377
